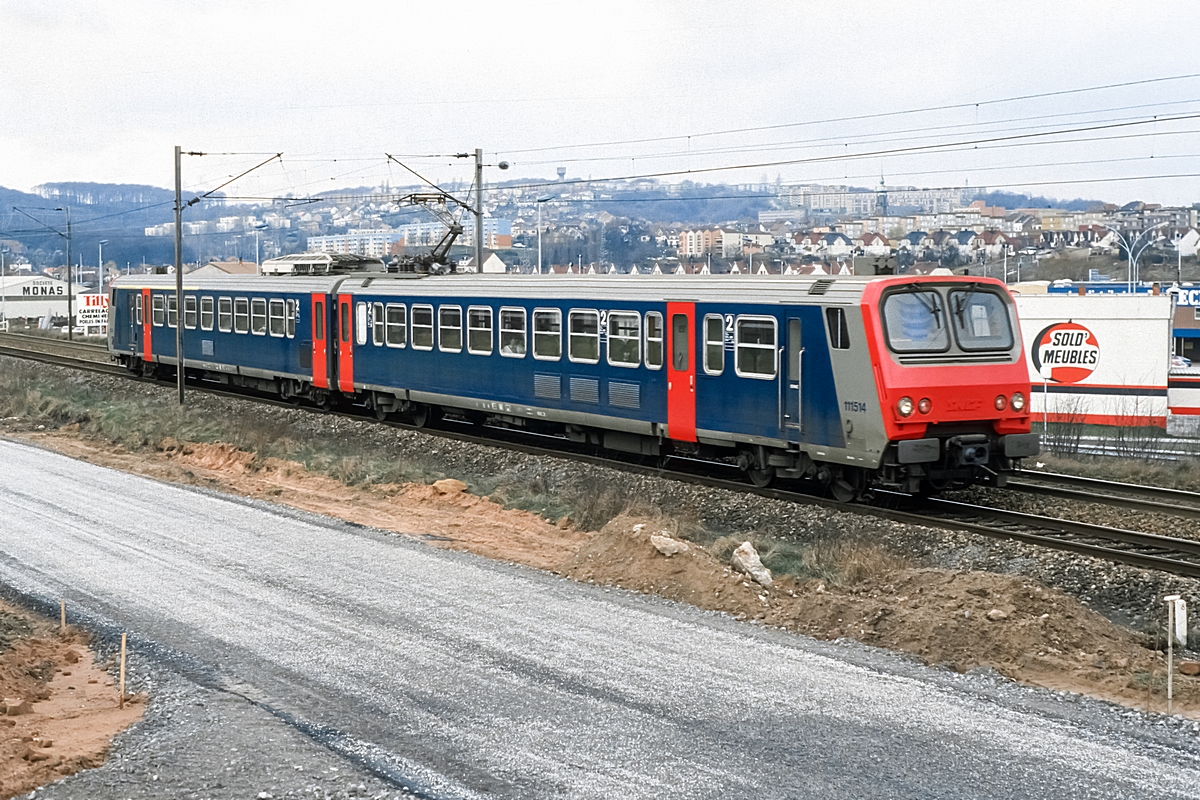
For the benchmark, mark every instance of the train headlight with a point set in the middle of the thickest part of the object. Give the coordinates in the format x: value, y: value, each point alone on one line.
x: 905, y: 406
x: 925, y: 406
x: 1001, y: 402
x: 1018, y: 401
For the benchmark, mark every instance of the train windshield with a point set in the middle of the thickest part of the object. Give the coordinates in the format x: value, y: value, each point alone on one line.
x: 980, y: 320
x: 915, y: 322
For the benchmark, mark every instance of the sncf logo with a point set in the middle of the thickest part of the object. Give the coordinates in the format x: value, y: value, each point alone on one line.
x: 1068, y: 349
x: 963, y: 404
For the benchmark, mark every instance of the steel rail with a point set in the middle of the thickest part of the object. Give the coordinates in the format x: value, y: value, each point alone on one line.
x: 1144, y: 550
x: 1134, y: 497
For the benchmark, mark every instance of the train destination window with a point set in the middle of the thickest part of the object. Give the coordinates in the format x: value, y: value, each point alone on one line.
x: 319, y: 321
x: 714, y: 344
x: 157, y: 315
x: 137, y: 305
x: 624, y: 339
x: 754, y: 338
x: 980, y: 320
x: 479, y: 330
x: 377, y: 332
x: 654, y: 340
x: 547, y: 334
x: 189, y: 312
x: 839, y: 331
x: 915, y: 322
x: 360, y: 323
x: 278, y: 321
x: 680, y: 358
x: 450, y: 329
x: 512, y: 332
x: 241, y: 315
x: 206, y: 313
x: 396, y: 328
x: 422, y: 327
x: 224, y: 314
x: 293, y: 306
x: 258, y: 316
x: 172, y: 311
x: 583, y: 336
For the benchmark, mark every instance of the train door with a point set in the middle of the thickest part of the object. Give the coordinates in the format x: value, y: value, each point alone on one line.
x: 143, y: 317
x: 681, y: 375
x: 320, y: 343
x: 791, y: 387
x: 345, y: 344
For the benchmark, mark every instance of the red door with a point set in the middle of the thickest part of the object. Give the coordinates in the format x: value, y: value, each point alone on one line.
x: 320, y: 347
x: 147, y: 349
x: 345, y: 346
x: 681, y: 374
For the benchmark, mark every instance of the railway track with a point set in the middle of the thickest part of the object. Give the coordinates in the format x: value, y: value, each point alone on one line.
x: 1148, y: 551
x: 1110, y: 493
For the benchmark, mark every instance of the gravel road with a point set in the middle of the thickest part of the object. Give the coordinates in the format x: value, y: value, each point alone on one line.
x: 446, y: 675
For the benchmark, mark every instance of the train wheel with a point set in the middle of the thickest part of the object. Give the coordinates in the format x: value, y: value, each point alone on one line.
x: 419, y: 417
x: 848, y: 484
x: 761, y: 478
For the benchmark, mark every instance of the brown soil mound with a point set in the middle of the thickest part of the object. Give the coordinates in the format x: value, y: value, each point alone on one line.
x: 62, y: 709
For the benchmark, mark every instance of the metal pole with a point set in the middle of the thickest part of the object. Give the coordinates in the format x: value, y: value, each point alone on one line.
x: 3, y: 292
x: 178, y: 274
x: 539, y: 205
x: 479, y: 209
x: 100, y: 267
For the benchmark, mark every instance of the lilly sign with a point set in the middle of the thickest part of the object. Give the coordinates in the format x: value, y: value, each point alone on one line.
x: 1069, y: 349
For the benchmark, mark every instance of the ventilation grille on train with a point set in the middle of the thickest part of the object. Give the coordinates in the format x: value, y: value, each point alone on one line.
x: 548, y: 387
x: 625, y: 395
x: 958, y: 358
x: 821, y: 286
x: 585, y: 390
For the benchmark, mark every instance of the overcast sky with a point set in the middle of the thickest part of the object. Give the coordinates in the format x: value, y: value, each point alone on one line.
x: 103, y: 91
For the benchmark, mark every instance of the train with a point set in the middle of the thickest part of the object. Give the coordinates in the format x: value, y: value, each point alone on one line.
x: 908, y: 383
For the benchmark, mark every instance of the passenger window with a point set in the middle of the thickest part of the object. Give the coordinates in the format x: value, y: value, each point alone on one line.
x: 360, y: 323
x: 396, y: 328
x: 241, y: 315
x: 258, y: 316
x: 512, y: 332
x: 583, y: 336
x: 206, y: 313
x: 278, y: 322
x: 714, y: 344
x: 754, y: 338
x: 189, y: 312
x: 319, y: 321
x: 422, y: 327
x: 839, y: 332
x: 450, y: 329
x: 137, y: 304
x: 680, y: 359
x: 292, y: 311
x: 344, y: 319
x: 624, y: 339
x: 224, y: 315
x: 172, y: 311
x: 547, y: 334
x: 654, y: 340
x: 157, y: 315
x: 377, y: 326
x: 479, y: 330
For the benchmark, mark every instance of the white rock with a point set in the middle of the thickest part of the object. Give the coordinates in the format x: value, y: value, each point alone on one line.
x: 746, y: 559
x: 638, y: 528
x: 667, y: 546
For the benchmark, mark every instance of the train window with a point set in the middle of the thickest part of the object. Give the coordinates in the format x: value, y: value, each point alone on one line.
x: 360, y: 323
x: 137, y: 307
x: 422, y: 327
x: 377, y: 332
x: 839, y: 331
x: 396, y: 328
x: 754, y: 338
x: 512, y: 332
x: 277, y: 319
x: 157, y: 315
x: 290, y: 311
x: 450, y: 329
x: 258, y: 316
x: 319, y: 321
x: 583, y: 336
x: 980, y: 320
x: 224, y: 314
x: 479, y: 330
x: 624, y: 339
x: 172, y: 311
x: 680, y: 358
x: 714, y: 344
x: 189, y: 312
x: 547, y: 334
x: 344, y: 320
x: 206, y: 313
x: 654, y: 340
x: 241, y: 315
x: 915, y: 322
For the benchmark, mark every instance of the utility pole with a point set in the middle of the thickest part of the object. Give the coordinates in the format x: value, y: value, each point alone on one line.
x: 70, y: 291
x: 178, y: 273
x: 478, y: 209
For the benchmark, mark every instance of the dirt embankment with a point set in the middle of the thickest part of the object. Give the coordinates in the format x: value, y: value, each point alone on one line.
x: 59, y: 709
x: 963, y: 620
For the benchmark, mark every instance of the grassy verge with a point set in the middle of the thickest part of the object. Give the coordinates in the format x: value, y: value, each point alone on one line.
x: 1183, y: 474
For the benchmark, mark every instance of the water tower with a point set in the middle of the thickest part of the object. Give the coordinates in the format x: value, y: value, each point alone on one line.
x: 562, y: 173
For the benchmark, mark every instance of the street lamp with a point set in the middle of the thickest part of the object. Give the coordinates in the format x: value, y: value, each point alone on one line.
x: 1131, y: 274
x: 539, y: 203
x: 3, y: 291
x: 100, y: 267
